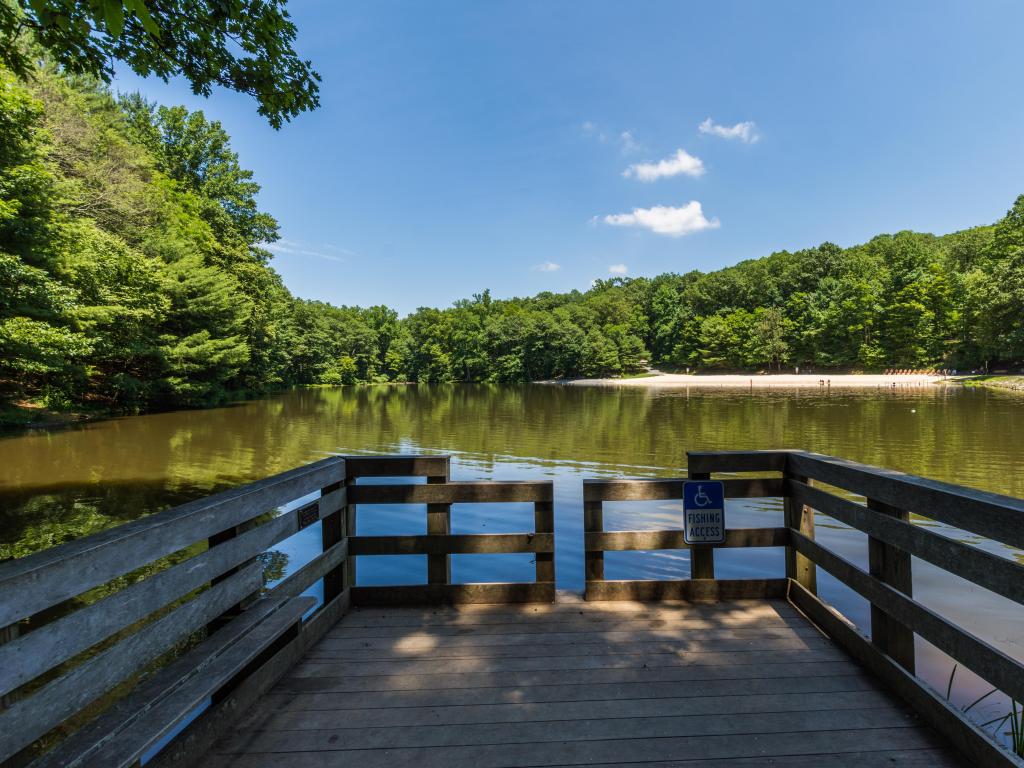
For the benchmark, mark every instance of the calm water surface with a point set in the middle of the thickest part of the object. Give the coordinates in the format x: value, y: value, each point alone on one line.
x: 56, y: 486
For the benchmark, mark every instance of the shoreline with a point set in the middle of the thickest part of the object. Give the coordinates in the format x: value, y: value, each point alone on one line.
x: 768, y: 381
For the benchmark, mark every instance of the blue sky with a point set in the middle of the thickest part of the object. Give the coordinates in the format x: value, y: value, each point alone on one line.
x: 515, y: 145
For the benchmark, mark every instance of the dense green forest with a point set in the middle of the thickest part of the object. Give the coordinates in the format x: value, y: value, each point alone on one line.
x: 133, y: 275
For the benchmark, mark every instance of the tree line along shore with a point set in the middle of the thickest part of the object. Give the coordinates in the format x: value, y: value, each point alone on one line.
x: 134, y: 276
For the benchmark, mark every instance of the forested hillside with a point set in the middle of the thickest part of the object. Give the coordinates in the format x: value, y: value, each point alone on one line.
x: 133, y: 276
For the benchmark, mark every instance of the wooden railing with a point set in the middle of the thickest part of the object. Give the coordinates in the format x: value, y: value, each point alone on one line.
x: 439, y: 544
x: 896, y: 617
x: 81, y: 624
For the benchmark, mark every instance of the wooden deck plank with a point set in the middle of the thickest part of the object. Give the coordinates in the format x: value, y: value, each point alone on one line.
x: 589, y: 646
x: 801, y: 683
x: 278, y: 719
x: 637, y: 729
x: 577, y: 684
x: 438, y: 682
x: 615, y: 752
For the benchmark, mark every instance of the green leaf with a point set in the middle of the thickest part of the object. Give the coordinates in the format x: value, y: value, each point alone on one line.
x: 138, y: 7
x: 113, y: 13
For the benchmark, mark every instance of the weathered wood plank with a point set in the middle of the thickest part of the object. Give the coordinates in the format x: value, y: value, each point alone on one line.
x: 892, y: 566
x: 799, y: 517
x: 439, y: 564
x: 1002, y: 576
x: 158, y: 711
x: 579, y: 624
x: 38, y: 581
x: 275, y: 718
x: 469, y: 492
x: 414, y: 465
x: 369, y: 704
x: 30, y: 718
x: 736, y: 461
x: 622, y: 541
x: 967, y: 736
x: 636, y: 729
x: 490, y: 686
x: 661, y: 489
x: 317, y: 568
x: 454, y: 594
x: 189, y: 748
x: 686, y: 589
x: 679, y: 647
x: 593, y: 523
x: 437, y: 544
x: 316, y: 668
x: 544, y: 524
x: 987, y: 661
x: 60, y: 640
x: 986, y: 514
x: 886, y: 758
x: 414, y: 642
x: 605, y: 752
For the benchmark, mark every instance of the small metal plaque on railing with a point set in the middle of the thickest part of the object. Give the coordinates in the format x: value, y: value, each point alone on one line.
x: 309, y: 514
x: 704, y: 512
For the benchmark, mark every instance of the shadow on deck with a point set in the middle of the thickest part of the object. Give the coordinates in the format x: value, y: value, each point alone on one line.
x: 577, y: 683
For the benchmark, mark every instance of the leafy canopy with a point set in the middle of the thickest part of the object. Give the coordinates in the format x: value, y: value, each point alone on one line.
x: 243, y: 45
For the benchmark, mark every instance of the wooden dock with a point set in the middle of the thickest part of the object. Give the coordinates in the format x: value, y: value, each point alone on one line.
x: 578, y: 683
x: 160, y: 643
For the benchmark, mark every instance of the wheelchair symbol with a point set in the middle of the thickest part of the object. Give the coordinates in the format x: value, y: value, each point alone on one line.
x: 700, y: 498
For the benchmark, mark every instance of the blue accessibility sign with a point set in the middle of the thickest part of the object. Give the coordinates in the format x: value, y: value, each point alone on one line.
x: 704, y: 512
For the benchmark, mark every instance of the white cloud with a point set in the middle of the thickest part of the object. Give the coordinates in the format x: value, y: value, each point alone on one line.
x: 666, y: 220
x: 681, y: 162
x: 629, y: 143
x: 300, y: 248
x: 745, y: 132
x: 618, y: 269
x: 547, y: 266
x: 592, y: 130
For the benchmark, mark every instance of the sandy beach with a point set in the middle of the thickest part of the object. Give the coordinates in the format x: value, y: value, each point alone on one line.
x: 765, y: 381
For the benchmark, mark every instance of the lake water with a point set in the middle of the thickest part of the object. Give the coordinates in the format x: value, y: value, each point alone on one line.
x: 56, y: 486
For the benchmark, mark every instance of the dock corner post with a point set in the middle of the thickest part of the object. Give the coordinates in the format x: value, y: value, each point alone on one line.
x: 439, y: 522
x: 333, y: 531
x: 702, y: 556
x: 544, y: 522
x: 800, y: 518
x: 892, y: 566
x: 593, y: 522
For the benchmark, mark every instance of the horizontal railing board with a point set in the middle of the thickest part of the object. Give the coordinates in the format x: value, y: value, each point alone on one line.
x: 986, y: 514
x: 38, y: 581
x: 454, y: 544
x: 297, y: 583
x: 967, y: 736
x: 193, y: 745
x: 1005, y: 577
x: 737, y: 461
x: 119, y: 738
x: 397, y: 466
x: 454, y: 594
x: 687, y: 589
x: 30, y: 655
x: 658, y: 489
x: 451, y: 493
x: 29, y: 718
x: 981, y: 658
x: 624, y: 541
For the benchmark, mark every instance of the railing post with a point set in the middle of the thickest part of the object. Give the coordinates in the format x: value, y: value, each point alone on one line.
x: 333, y: 532
x: 439, y: 522
x: 544, y: 522
x: 702, y: 556
x: 349, y: 527
x: 800, y: 518
x: 892, y: 566
x: 593, y: 522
